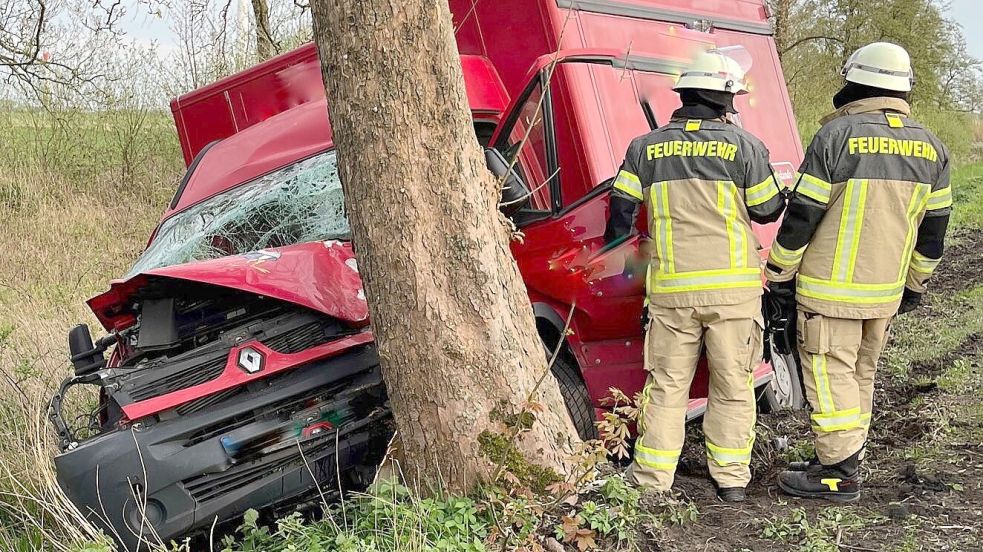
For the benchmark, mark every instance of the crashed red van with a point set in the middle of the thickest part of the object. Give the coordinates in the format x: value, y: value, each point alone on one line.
x: 241, y: 371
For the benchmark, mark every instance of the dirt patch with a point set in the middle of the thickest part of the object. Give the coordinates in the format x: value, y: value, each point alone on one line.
x: 960, y: 267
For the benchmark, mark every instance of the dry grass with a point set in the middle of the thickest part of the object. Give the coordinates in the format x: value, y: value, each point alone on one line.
x: 61, y: 243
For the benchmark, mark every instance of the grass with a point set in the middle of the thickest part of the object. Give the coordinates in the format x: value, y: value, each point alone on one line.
x: 75, y: 212
x: 968, y: 195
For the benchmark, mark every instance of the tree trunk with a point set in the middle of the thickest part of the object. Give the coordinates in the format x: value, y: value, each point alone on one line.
x: 781, y: 20
x: 264, y: 40
x: 453, y: 324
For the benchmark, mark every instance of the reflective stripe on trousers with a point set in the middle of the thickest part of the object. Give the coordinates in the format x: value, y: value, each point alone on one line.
x: 674, y: 344
x: 840, y: 361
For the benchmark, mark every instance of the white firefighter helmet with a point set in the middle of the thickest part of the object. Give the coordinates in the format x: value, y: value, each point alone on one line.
x: 714, y: 70
x: 881, y: 65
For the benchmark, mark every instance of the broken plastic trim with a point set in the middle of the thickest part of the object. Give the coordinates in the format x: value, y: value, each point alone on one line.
x: 302, y: 202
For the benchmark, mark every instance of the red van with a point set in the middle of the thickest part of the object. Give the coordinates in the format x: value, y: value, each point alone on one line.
x: 242, y: 372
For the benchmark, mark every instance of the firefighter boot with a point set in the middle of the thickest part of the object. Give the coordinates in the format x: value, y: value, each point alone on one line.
x: 731, y: 494
x: 837, y: 482
x: 814, y: 463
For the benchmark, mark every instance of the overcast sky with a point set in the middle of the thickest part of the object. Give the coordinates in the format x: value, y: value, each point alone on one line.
x: 967, y: 13
x: 145, y: 28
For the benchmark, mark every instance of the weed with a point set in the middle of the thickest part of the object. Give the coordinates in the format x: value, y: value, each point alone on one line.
x: 679, y: 513
x: 801, y: 451
x: 820, y: 535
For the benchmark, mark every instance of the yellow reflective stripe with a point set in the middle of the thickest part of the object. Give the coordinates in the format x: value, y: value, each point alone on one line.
x: 848, y: 235
x: 821, y: 377
x: 723, y: 456
x: 923, y: 264
x: 841, y: 427
x: 663, y: 226
x: 693, y: 125
x: 853, y: 293
x: 629, y: 184
x: 940, y: 199
x: 915, y: 206
x: 833, y: 483
x: 761, y: 193
x: 837, y: 420
x: 786, y: 258
x: 736, y: 233
x: 865, y: 420
x: 655, y: 458
x: 704, y: 280
x: 894, y: 120
x: 815, y: 188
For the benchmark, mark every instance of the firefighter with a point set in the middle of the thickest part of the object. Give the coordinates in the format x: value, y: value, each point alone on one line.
x: 863, y: 232
x: 703, y: 181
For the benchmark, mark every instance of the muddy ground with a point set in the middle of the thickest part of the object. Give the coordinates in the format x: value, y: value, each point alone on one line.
x: 924, y: 477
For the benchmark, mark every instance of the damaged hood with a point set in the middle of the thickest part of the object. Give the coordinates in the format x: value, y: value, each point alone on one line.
x: 322, y: 276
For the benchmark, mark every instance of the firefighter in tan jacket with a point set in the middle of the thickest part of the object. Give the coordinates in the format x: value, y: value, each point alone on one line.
x: 863, y: 232
x: 703, y: 181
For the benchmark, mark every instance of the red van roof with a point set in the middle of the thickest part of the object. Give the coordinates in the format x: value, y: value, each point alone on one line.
x: 252, y: 144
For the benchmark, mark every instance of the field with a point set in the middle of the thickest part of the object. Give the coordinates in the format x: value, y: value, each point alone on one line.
x: 78, y: 198
x: 79, y: 193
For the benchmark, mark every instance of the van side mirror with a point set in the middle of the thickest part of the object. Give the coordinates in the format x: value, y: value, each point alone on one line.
x: 515, y: 194
x: 86, y: 356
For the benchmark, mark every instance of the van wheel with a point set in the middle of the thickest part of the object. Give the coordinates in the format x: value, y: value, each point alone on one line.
x: 784, y: 391
x: 575, y: 395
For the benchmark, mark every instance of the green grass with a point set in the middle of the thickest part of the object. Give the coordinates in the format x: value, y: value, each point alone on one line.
x: 967, y: 188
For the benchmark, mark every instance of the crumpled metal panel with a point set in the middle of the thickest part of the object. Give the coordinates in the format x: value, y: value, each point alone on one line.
x: 319, y: 275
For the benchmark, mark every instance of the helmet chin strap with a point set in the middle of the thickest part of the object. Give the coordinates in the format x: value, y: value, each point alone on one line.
x: 852, y: 92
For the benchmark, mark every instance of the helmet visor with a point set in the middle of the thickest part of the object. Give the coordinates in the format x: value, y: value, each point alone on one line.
x: 739, y: 54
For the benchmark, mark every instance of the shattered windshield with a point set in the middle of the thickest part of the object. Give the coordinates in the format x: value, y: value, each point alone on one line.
x: 298, y: 203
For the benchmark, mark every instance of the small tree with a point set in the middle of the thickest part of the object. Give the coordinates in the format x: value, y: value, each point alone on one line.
x: 455, y: 332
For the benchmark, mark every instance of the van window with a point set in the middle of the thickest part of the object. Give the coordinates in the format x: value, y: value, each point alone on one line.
x: 532, y: 162
x: 620, y: 114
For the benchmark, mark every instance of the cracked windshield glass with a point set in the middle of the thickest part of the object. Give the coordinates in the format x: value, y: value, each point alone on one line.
x: 299, y: 203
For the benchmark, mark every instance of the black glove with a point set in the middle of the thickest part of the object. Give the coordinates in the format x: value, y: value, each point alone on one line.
x: 909, y: 301
x: 645, y: 319
x: 783, y: 293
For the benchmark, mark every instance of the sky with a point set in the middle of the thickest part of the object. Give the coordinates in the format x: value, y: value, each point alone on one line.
x: 145, y: 28
x: 967, y: 13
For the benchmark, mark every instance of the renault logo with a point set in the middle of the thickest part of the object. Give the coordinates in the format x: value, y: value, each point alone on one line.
x: 251, y: 360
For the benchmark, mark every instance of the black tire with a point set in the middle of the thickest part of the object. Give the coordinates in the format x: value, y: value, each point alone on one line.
x: 785, y: 390
x: 575, y: 395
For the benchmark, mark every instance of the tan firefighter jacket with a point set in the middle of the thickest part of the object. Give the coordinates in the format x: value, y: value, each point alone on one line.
x: 702, y: 182
x: 868, y: 213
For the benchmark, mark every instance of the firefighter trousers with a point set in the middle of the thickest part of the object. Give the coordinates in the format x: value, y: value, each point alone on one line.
x: 839, y: 360
x: 676, y: 337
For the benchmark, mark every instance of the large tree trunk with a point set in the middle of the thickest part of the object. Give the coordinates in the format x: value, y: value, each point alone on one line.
x: 264, y: 39
x: 452, y: 320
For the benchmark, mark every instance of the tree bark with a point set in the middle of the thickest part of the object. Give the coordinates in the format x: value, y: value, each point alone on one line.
x: 452, y: 320
x: 781, y: 20
x: 264, y: 39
